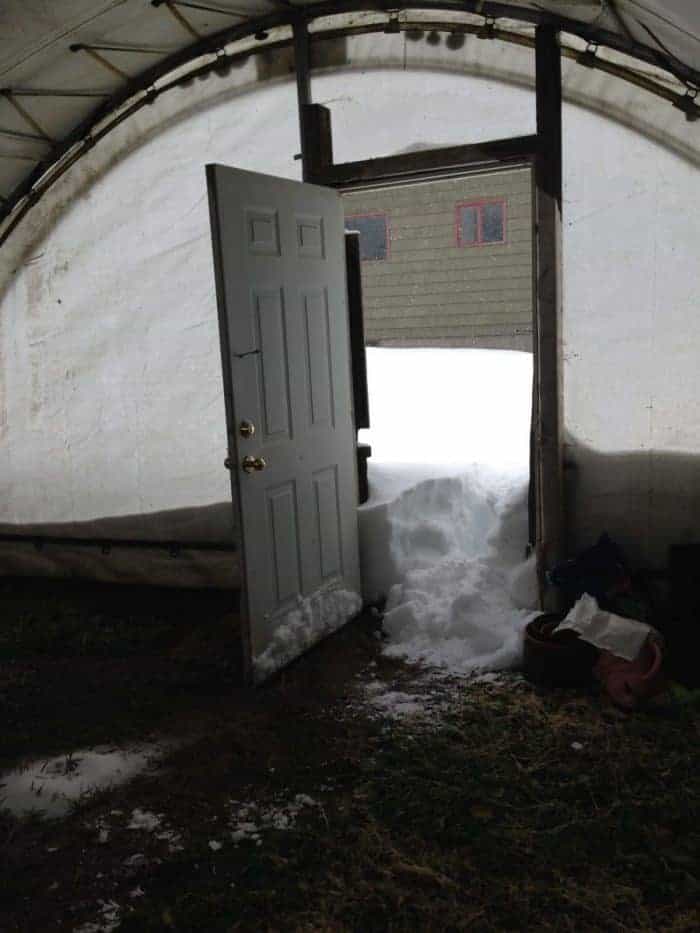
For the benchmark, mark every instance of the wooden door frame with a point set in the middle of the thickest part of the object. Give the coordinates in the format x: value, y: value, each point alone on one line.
x: 543, y: 152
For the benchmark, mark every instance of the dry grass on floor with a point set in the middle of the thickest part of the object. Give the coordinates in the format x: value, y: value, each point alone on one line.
x: 514, y: 809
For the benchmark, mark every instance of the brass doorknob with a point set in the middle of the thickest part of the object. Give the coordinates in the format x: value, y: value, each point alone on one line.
x: 253, y: 464
x: 246, y: 429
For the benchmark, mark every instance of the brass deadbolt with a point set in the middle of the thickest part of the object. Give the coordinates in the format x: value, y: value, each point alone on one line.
x: 246, y: 429
x: 253, y: 464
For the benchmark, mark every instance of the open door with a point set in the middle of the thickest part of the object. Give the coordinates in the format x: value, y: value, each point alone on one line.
x: 279, y: 259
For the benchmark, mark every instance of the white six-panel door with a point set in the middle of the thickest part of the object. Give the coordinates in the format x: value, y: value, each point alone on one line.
x: 280, y: 276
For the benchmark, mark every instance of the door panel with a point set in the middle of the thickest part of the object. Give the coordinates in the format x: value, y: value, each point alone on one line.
x: 318, y: 357
x: 283, y: 532
x: 273, y: 361
x: 279, y: 257
x: 328, y: 519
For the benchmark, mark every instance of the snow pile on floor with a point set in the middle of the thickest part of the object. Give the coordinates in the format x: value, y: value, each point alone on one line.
x: 455, y: 609
x: 52, y: 785
x: 443, y: 536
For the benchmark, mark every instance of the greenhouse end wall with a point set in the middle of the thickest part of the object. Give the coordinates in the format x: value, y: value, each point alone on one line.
x: 110, y: 386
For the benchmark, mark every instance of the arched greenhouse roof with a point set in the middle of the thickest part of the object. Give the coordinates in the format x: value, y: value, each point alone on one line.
x: 72, y: 70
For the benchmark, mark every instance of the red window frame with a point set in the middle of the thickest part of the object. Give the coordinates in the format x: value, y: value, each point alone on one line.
x: 387, y: 229
x: 479, y: 204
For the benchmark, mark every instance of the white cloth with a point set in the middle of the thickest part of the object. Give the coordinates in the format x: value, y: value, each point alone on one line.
x: 605, y: 630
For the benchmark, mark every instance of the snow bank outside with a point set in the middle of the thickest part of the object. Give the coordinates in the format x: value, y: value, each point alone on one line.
x: 445, y: 540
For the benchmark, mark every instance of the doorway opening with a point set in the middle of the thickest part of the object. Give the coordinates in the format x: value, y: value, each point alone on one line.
x: 447, y: 283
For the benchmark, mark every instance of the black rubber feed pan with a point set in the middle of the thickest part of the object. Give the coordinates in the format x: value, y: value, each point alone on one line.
x: 556, y: 660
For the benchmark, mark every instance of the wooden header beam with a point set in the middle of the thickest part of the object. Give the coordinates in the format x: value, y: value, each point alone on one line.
x: 520, y: 149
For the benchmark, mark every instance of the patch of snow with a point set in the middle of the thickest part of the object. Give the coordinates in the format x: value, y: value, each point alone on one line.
x: 52, y: 785
x: 398, y: 705
x: 147, y: 821
x: 214, y: 845
x: 250, y: 820
x: 144, y: 819
x: 489, y: 677
x: 424, y: 697
x: 173, y: 838
x: 109, y: 921
x: 132, y: 861
x: 444, y: 541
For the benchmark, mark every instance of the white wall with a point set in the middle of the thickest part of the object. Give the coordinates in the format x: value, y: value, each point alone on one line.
x: 110, y: 399
x: 112, y: 394
x: 631, y: 338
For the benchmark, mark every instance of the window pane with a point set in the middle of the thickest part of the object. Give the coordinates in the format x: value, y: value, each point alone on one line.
x: 373, y: 234
x: 492, y: 223
x: 468, y: 229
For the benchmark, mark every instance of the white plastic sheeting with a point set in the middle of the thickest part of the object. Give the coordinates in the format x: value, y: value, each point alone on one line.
x: 631, y: 339
x: 112, y: 403
x: 607, y: 631
x: 111, y: 394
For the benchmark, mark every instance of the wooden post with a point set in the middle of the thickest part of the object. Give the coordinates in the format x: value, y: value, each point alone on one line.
x: 550, y: 540
x: 319, y: 143
x: 302, y: 69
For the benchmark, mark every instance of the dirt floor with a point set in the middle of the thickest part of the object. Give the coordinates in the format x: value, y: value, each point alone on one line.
x: 352, y: 793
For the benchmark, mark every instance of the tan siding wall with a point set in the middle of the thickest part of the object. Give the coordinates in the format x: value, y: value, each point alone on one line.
x: 429, y: 291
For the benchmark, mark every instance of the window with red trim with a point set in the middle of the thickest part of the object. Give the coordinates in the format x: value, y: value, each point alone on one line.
x: 479, y: 223
x: 374, y: 234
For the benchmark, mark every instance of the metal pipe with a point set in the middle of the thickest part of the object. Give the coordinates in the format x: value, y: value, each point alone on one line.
x: 101, y: 60
x: 181, y: 19
x: 16, y: 134
x: 205, y: 8
x: 26, y: 116
x: 51, y: 92
x: 21, y: 157
x: 139, y: 49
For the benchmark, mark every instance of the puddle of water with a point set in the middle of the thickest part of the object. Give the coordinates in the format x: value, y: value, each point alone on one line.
x: 52, y: 785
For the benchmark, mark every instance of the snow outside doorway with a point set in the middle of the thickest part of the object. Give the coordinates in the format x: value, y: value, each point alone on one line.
x: 444, y: 533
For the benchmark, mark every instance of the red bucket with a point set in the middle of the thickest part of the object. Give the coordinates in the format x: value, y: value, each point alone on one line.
x: 629, y: 683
